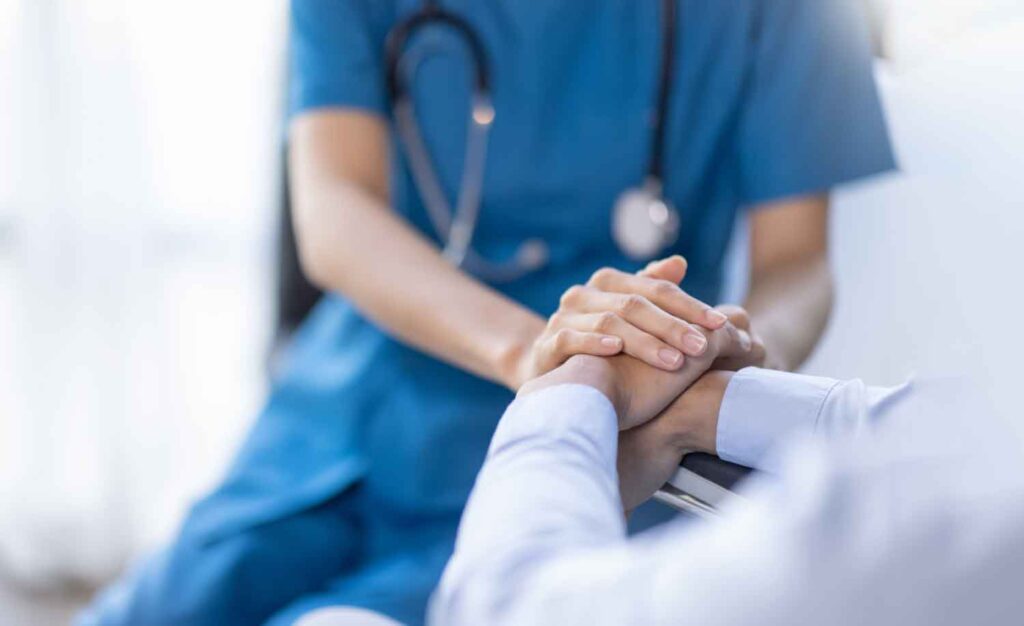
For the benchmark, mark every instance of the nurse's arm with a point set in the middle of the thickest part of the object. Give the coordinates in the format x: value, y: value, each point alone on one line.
x: 352, y: 242
x: 790, y: 297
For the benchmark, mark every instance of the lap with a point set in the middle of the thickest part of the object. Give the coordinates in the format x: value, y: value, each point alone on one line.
x: 397, y: 587
x: 244, y: 577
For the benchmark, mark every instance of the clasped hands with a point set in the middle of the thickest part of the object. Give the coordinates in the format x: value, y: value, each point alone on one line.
x: 661, y: 357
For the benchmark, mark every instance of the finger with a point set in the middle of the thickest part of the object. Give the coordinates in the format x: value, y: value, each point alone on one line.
x: 666, y: 295
x: 737, y: 315
x: 672, y: 269
x: 644, y: 315
x: 754, y: 358
x: 728, y: 342
x: 556, y: 347
x: 567, y: 342
x: 635, y: 342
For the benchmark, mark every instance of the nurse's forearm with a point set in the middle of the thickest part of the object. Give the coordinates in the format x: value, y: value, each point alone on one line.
x: 789, y: 307
x: 351, y: 242
x: 790, y: 295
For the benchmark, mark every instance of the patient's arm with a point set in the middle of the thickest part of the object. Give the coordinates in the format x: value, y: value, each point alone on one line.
x: 762, y: 409
x: 542, y: 540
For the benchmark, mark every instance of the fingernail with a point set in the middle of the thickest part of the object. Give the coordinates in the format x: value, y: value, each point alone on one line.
x: 695, y: 343
x: 716, y: 317
x: 610, y: 342
x: 670, y: 357
x: 745, y: 341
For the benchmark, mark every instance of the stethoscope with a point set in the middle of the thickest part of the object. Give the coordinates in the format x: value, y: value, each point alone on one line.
x: 644, y: 222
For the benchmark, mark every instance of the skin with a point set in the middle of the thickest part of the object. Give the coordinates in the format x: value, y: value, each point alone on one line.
x: 339, y: 167
x: 790, y: 297
x: 661, y: 414
x: 649, y: 454
x: 640, y: 393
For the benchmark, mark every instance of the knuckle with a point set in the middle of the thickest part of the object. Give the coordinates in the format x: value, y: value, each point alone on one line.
x: 557, y: 320
x: 562, y: 339
x: 605, y: 322
x: 631, y: 304
x: 601, y: 276
x: 681, y: 331
x: 664, y: 289
x: 572, y: 296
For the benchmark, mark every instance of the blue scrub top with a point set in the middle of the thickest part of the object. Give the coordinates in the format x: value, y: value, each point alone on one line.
x: 770, y: 98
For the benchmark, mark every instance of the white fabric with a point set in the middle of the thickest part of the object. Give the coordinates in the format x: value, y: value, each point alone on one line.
x: 918, y: 521
x: 762, y: 408
x: 345, y: 616
x: 916, y: 31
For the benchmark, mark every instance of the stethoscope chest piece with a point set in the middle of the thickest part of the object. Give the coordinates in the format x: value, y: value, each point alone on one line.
x: 644, y: 223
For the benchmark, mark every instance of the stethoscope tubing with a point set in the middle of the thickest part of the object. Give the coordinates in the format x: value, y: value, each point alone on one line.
x: 456, y: 228
x: 460, y: 224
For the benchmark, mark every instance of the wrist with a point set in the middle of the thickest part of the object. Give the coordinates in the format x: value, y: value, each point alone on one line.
x: 591, y: 371
x: 512, y: 359
x: 598, y: 373
x: 702, y: 402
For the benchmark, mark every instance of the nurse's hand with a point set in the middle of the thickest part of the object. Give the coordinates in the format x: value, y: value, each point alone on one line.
x: 646, y: 316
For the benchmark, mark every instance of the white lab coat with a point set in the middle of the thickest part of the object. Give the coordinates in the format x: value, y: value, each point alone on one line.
x: 899, y: 507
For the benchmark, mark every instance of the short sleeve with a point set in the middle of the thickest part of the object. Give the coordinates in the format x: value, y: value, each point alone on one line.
x: 337, y: 50
x: 812, y: 118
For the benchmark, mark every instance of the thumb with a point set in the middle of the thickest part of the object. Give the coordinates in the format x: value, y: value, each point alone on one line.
x: 672, y: 269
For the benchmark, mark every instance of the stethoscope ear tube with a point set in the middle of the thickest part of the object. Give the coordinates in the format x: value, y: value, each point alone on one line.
x: 455, y: 228
x: 432, y: 14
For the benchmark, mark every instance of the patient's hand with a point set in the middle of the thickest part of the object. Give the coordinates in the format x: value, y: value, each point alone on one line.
x: 646, y: 392
x: 649, y: 454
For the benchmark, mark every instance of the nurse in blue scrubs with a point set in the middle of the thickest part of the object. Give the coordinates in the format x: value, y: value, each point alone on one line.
x: 351, y: 482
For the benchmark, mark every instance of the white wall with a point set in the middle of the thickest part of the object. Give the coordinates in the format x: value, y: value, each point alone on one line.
x: 929, y: 262
x: 138, y: 173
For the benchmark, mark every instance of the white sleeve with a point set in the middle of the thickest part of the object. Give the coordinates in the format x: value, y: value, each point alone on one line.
x: 763, y: 408
x: 542, y: 540
x: 549, y: 487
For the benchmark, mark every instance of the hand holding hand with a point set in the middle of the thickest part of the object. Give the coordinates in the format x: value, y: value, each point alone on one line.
x: 646, y: 316
x: 640, y: 392
x: 649, y: 454
x: 645, y: 392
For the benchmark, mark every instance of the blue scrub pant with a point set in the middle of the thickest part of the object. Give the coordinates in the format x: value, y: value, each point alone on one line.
x: 348, y: 551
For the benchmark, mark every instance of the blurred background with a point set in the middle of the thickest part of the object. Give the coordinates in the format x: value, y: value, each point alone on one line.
x: 140, y: 212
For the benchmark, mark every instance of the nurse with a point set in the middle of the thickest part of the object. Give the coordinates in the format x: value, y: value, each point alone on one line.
x: 349, y: 487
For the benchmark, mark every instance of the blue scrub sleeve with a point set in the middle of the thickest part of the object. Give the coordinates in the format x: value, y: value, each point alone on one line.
x: 812, y: 118
x: 337, y: 52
